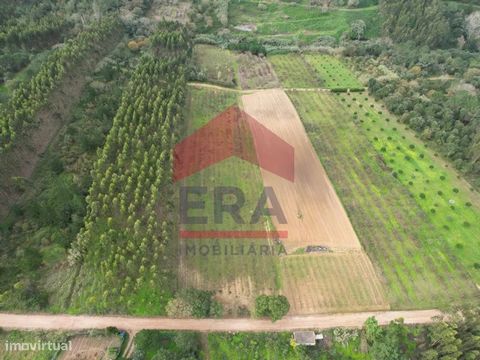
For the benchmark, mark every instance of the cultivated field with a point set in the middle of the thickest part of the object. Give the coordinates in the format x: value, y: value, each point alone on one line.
x: 450, y: 206
x: 255, y: 72
x: 216, y: 65
x: 294, y: 72
x: 314, y: 214
x: 333, y: 72
x: 332, y: 282
x: 91, y: 348
x: 312, y: 209
x: 236, y: 278
x: 393, y: 228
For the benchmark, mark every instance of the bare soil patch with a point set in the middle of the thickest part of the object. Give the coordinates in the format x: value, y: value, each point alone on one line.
x: 314, y: 213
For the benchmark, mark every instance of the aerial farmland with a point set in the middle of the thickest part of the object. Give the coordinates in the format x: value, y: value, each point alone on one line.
x: 177, y: 174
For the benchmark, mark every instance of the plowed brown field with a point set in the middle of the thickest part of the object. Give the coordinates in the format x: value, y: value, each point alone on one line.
x: 314, y: 213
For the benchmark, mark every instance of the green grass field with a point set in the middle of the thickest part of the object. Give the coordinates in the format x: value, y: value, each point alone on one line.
x: 298, y: 19
x: 293, y: 72
x: 312, y: 71
x: 451, y: 207
x: 397, y: 233
x: 333, y: 73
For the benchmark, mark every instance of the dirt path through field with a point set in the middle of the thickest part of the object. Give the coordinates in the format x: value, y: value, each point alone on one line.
x: 71, y: 322
x: 314, y: 213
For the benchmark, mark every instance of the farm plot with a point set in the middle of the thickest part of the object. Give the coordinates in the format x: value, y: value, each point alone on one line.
x: 30, y: 337
x: 215, y: 65
x: 312, y: 209
x: 396, y: 233
x: 238, y: 279
x: 334, y: 74
x: 255, y: 72
x: 451, y: 207
x: 332, y: 282
x: 92, y: 348
x: 293, y: 71
x: 235, y: 274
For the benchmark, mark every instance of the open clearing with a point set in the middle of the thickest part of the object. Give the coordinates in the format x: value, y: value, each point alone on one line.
x: 306, y: 23
x: 304, y: 278
x: 394, y: 230
x: 216, y: 65
x: 312, y: 209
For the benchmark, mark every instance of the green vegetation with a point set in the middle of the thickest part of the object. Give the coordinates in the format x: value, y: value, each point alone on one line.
x: 434, y: 188
x: 293, y: 71
x: 273, y: 306
x: 290, y: 19
x: 215, y: 271
x: 196, y: 303
x: 41, y: 226
x: 29, y: 337
x: 121, y: 250
x: 313, y: 71
x: 215, y: 65
x: 166, y: 345
x: 424, y: 23
x: 396, y: 232
x: 20, y: 110
x: 243, y: 346
x: 333, y: 73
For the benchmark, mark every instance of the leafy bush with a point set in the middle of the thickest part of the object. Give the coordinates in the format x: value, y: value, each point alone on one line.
x: 272, y: 306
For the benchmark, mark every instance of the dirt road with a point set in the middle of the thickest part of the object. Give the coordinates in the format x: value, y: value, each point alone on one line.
x: 70, y: 322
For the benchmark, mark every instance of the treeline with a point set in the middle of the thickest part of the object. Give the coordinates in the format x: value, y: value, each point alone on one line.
x: 434, y: 23
x: 33, y: 33
x: 128, y: 224
x: 457, y: 338
x: 170, y: 37
x: 21, y: 108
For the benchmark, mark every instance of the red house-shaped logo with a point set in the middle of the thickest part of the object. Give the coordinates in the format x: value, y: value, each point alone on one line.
x: 233, y: 133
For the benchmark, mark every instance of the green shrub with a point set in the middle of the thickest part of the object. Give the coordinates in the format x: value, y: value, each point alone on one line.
x: 272, y: 306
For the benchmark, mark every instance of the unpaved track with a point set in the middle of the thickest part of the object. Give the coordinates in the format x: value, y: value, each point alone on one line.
x: 314, y: 213
x: 70, y: 322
